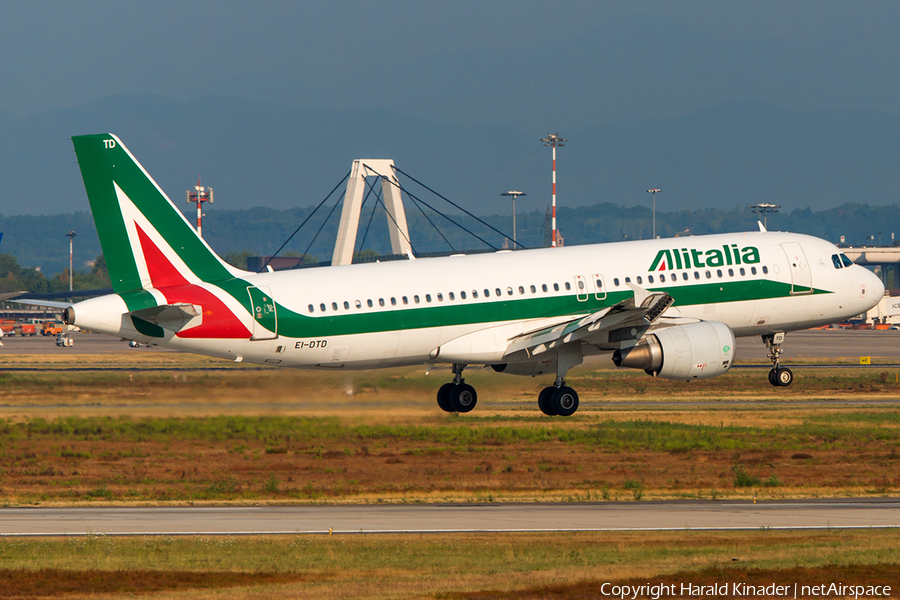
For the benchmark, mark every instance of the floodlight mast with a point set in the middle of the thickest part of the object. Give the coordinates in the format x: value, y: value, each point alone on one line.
x: 763, y: 209
x: 71, y: 236
x: 654, y: 191
x: 200, y: 195
x: 553, y: 140
x: 514, y: 194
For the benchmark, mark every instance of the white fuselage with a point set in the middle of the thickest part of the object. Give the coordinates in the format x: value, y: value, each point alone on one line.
x: 403, y: 312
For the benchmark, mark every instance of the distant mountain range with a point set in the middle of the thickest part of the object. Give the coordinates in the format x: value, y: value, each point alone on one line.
x: 263, y: 159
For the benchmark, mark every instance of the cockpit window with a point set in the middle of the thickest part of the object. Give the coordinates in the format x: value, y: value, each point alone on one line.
x: 836, y: 260
x: 847, y: 262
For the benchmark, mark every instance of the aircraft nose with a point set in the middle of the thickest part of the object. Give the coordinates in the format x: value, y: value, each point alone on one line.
x: 871, y: 288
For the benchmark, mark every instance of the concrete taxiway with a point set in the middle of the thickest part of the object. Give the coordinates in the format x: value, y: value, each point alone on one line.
x: 456, y: 518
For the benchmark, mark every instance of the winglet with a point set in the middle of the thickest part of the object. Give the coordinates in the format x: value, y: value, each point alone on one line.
x: 762, y: 227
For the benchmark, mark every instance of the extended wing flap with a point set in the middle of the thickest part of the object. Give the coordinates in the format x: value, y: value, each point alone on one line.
x: 620, y: 325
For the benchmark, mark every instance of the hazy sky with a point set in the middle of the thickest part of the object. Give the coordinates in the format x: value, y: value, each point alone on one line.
x: 63, y: 54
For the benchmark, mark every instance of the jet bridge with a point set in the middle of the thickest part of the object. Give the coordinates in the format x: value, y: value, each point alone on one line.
x: 353, y: 199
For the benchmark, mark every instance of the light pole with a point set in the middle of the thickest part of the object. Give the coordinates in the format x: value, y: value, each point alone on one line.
x: 553, y: 140
x: 514, y: 194
x: 762, y: 209
x: 199, y: 195
x: 654, y: 191
x: 71, y: 236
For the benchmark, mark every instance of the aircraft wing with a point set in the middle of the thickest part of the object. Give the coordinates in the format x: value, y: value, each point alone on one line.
x: 618, y: 326
x: 45, y: 303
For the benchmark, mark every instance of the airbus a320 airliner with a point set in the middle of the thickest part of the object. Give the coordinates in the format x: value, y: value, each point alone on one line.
x: 671, y: 307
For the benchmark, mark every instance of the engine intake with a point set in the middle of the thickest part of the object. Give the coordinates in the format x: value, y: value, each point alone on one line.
x: 695, y: 351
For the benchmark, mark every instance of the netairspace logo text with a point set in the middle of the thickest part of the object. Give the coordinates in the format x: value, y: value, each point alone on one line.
x: 743, y: 590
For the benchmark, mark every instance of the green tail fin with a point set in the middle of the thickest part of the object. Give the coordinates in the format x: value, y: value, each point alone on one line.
x: 139, y: 227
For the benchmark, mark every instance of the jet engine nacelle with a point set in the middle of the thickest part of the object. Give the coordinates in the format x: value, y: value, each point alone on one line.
x: 695, y: 351
x: 529, y: 369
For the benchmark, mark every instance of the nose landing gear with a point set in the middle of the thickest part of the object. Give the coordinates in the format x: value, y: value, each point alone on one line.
x: 779, y: 376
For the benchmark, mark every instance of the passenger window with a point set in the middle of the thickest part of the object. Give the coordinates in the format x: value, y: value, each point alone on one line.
x: 599, y: 284
x: 393, y: 302
x: 616, y: 281
x: 346, y: 305
x: 404, y: 300
x: 533, y: 290
x: 555, y: 287
x: 334, y: 306
x: 662, y: 278
x: 381, y: 302
x: 639, y: 280
x: 696, y: 274
x: 358, y: 304
x: 452, y: 296
x: 731, y: 272
x: 475, y: 294
x: 753, y: 270
x: 649, y: 278
x: 835, y: 259
x: 743, y: 272
x: 312, y: 308
x: 487, y: 293
x: 628, y: 280
x: 497, y: 290
x: 440, y: 297
x: 521, y: 291
x: 765, y: 269
x: 719, y: 273
x: 684, y: 276
x: 847, y: 262
x: 427, y: 297
x: 416, y: 298
x: 544, y: 287
x: 462, y: 295
x: 509, y: 291
x: 369, y: 302
x: 322, y: 307
x: 568, y: 286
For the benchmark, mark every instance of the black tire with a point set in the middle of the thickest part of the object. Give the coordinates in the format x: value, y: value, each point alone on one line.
x: 772, y: 379
x: 544, y: 401
x: 564, y: 401
x: 784, y: 377
x: 443, y: 397
x: 463, y: 397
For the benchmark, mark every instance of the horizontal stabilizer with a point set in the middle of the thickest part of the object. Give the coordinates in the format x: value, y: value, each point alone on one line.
x: 45, y: 303
x: 174, y: 317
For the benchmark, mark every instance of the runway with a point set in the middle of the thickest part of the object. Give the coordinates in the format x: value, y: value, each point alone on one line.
x: 455, y: 518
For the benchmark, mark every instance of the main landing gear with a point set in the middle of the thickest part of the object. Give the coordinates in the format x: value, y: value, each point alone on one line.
x: 558, y: 400
x: 457, y: 396
x: 779, y: 376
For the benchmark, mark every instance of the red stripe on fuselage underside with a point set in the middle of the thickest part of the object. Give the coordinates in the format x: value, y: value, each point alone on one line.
x: 218, y: 320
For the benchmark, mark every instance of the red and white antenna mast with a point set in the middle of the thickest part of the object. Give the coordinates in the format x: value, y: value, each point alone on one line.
x: 553, y: 140
x: 199, y: 195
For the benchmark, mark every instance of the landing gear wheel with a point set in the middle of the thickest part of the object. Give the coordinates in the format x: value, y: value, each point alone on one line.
x: 783, y: 377
x: 564, y: 401
x: 443, y: 397
x: 772, y: 378
x: 544, y: 401
x: 462, y: 397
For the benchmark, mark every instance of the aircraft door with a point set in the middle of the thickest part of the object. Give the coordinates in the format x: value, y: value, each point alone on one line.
x: 801, y: 276
x: 599, y: 286
x: 265, y: 321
